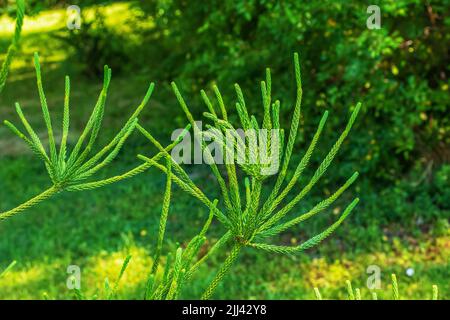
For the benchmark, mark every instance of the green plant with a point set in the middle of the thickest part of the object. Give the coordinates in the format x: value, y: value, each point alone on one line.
x: 356, y: 294
x: 7, y: 269
x: 400, y: 72
x: 179, y: 271
x: 69, y: 172
x: 109, y: 292
x: 14, y: 44
x: 96, y: 44
x: 250, y: 221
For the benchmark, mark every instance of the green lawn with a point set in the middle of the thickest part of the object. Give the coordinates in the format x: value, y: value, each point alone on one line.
x: 96, y: 230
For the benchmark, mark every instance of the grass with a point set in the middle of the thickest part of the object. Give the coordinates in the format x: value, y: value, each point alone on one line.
x: 96, y: 230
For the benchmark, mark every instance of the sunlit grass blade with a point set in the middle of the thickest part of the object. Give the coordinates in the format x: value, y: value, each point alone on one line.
x: 318, y: 173
x: 358, y: 294
x: 176, y: 274
x: 91, y: 127
x: 221, y: 103
x: 119, y: 277
x: 242, y: 108
x: 45, y: 111
x: 119, y: 137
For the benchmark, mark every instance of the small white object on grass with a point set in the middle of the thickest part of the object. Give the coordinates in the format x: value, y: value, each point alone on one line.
x: 410, y: 272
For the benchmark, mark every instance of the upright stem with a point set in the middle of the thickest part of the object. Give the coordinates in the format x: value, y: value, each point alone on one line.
x: 30, y: 203
x: 222, y: 271
x: 221, y: 242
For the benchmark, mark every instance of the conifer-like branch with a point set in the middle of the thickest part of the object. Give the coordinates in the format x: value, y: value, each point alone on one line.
x: 355, y: 294
x: 69, y: 171
x: 246, y: 214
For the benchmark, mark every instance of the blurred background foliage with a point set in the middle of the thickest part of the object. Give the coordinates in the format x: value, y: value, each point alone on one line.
x: 400, y: 145
x: 400, y: 73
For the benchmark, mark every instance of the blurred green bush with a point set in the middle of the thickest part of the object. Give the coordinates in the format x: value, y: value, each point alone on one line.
x: 400, y: 72
x: 95, y: 45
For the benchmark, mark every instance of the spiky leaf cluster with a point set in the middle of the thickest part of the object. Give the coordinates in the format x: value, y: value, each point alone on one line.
x: 248, y: 217
x: 180, y: 266
x: 68, y: 171
x: 355, y: 294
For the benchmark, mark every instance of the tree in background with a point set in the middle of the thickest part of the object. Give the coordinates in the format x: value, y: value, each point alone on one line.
x: 401, y: 71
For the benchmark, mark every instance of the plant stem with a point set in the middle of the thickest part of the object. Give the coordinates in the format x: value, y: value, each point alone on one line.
x: 219, y: 243
x: 30, y: 203
x: 13, y: 46
x: 222, y: 271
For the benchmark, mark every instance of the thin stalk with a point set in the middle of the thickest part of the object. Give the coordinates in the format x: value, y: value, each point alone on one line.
x: 222, y: 271
x: 14, y: 44
x: 163, y: 220
x: 219, y: 244
x: 251, y: 220
x: 32, y: 202
x: 101, y: 183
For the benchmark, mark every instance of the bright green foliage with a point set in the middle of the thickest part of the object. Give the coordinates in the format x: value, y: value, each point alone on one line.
x: 356, y: 294
x: 351, y: 296
x: 435, y: 292
x: 317, y: 293
x: 8, y: 268
x: 400, y: 71
x: 395, y: 294
x: 249, y: 219
x: 352, y: 62
x: 14, y: 44
x: 68, y: 172
x: 112, y: 291
x: 109, y: 292
x: 177, y: 272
